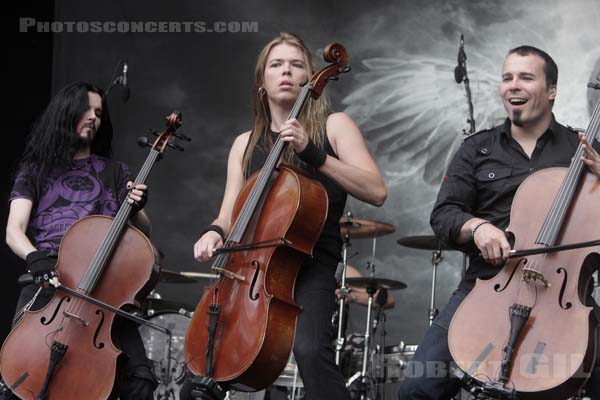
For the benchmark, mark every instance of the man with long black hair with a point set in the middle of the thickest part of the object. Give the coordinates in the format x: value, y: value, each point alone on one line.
x: 67, y: 173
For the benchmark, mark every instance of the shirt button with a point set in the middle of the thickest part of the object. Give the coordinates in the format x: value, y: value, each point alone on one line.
x: 491, y: 175
x: 531, y: 169
x: 484, y: 151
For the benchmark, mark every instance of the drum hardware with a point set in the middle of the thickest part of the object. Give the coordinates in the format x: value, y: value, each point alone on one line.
x: 166, y: 351
x: 235, y: 395
x: 428, y: 243
x: 482, y: 390
x: 339, y: 342
x: 355, y: 228
x: 154, y: 304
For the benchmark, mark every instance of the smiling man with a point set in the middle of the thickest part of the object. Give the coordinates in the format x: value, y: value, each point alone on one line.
x: 473, y: 205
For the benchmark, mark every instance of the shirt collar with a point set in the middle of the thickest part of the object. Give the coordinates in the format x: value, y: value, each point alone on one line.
x: 551, y: 132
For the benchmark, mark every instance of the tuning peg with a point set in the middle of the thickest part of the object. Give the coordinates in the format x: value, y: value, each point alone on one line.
x: 344, y: 70
x: 182, y: 137
x: 152, y: 131
x: 142, y: 141
x: 175, y: 147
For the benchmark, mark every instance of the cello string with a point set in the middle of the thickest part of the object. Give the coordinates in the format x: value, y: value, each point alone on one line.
x: 590, y: 134
x: 250, y: 206
x: 99, y: 260
x: 573, y: 177
x: 553, y: 222
x: 116, y: 228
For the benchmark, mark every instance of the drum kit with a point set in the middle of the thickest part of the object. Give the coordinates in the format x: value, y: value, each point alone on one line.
x: 365, y: 367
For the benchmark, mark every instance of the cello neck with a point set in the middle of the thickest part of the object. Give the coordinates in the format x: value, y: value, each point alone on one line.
x: 560, y: 207
x: 99, y: 261
x: 256, y: 194
x: 94, y: 272
x: 263, y: 178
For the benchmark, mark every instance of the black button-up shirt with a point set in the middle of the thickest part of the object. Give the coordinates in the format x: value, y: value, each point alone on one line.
x: 482, y: 180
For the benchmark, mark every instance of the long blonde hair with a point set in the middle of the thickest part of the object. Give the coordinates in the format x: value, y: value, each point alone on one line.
x: 313, y: 117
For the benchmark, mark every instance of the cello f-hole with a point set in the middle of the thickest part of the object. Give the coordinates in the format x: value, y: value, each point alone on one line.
x: 100, y: 345
x: 497, y: 287
x: 44, y: 321
x: 254, y: 295
x: 562, y: 289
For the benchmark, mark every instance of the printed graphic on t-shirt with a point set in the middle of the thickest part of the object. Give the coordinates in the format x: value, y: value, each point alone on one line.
x: 94, y: 186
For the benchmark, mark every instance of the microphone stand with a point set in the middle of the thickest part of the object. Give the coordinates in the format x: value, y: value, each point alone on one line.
x: 117, y: 79
x: 462, y: 66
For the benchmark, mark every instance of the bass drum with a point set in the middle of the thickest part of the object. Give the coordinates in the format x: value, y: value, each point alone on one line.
x: 166, y: 352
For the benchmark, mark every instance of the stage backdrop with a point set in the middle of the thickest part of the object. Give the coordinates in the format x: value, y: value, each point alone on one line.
x: 401, y: 91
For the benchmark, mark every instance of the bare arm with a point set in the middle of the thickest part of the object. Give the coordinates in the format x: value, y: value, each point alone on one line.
x: 355, y: 171
x: 16, y: 228
x: 204, y: 247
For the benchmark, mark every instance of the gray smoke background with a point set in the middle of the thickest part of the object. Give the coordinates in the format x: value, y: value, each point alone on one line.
x: 401, y: 92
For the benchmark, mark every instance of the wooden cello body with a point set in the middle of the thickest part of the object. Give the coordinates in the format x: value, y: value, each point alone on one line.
x: 242, y: 331
x: 258, y: 313
x: 529, y: 330
x: 88, y: 368
x: 65, y: 351
x: 556, y: 348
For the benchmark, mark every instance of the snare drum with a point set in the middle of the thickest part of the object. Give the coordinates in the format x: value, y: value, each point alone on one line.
x: 166, y: 352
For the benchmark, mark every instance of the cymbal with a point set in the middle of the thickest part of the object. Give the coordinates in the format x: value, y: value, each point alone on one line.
x: 357, y: 228
x: 168, y: 276
x: 423, y: 243
x: 375, y: 283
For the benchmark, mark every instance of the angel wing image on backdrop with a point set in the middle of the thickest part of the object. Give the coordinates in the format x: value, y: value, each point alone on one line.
x: 413, y: 113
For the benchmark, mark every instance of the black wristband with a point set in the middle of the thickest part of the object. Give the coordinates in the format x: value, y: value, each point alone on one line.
x: 214, y: 228
x: 36, y: 255
x: 312, y: 155
x: 479, y: 224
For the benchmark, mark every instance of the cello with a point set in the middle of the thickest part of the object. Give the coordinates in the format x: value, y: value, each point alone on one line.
x: 528, y: 332
x: 64, y: 351
x: 242, y: 330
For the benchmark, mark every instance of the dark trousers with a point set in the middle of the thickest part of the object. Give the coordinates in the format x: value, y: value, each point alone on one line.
x: 134, y: 380
x: 428, y: 376
x: 313, y: 345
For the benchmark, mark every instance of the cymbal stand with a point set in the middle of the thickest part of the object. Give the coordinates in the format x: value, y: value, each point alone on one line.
x: 371, y: 292
x: 339, y: 341
x: 436, y: 258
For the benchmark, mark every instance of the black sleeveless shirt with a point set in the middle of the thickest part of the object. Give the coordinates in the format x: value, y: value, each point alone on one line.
x: 327, y: 250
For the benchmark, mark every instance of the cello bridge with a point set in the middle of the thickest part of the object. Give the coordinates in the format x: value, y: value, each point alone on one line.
x: 68, y: 314
x: 533, y: 276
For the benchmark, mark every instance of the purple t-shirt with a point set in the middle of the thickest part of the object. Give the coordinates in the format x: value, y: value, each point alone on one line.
x: 90, y: 186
